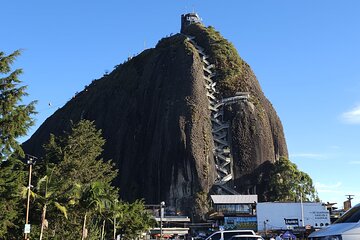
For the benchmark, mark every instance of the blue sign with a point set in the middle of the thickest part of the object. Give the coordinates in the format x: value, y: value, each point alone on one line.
x: 241, y: 223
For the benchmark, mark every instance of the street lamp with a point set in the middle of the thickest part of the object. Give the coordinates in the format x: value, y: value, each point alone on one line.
x: 302, y: 209
x: 301, y: 185
x: 30, y: 161
x: 162, y: 205
x: 265, y: 227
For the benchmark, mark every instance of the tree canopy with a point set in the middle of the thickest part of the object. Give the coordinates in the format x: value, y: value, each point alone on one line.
x: 15, y: 117
x: 76, y: 198
x: 12, y: 179
x: 288, y: 183
x: 72, y: 196
x: 15, y: 120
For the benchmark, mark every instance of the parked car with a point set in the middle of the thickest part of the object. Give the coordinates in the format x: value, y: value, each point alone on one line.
x: 347, y: 227
x: 246, y: 237
x: 227, y: 234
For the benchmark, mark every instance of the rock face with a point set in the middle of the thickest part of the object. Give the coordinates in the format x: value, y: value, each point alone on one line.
x: 153, y: 111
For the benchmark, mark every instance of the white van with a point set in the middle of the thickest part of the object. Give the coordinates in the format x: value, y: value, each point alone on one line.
x: 347, y: 227
x: 227, y: 234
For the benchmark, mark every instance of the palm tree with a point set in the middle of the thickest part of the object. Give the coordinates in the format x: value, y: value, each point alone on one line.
x: 117, y: 214
x: 95, y: 197
x: 48, y: 194
x: 133, y: 219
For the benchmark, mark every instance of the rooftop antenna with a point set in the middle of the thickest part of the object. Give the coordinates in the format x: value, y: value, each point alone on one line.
x: 347, y: 204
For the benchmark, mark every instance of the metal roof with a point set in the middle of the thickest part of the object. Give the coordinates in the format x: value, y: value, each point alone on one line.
x: 234, y: 199
x: 179, y: 231
x: 173, y: 219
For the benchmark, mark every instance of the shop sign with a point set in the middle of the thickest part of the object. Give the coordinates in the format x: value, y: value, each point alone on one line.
x: 291, y: 221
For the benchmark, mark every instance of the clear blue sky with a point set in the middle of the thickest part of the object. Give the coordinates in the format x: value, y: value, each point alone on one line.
x: 305, y: 54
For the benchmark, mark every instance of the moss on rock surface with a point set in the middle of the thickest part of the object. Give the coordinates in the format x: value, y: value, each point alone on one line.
x: 228, y: 64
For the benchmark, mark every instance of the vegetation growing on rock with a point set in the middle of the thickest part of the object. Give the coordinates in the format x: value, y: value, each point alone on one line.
x: 228, y: 65
x: 256, y: 130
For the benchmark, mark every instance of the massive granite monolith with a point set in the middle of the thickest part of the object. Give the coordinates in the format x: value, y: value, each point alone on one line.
x: 154, y: 113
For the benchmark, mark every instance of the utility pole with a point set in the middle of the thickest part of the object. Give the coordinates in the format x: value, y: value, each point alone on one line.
x: 30, y: 161
x: 162, y: 205
x: 302, y: 210
x: 301, y: 187
x: 265, y: 227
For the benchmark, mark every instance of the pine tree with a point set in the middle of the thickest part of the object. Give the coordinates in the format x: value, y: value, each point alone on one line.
x: 81, y: 181
x: 12, y: 178
x: 15, y: 118
x: 77, y: 154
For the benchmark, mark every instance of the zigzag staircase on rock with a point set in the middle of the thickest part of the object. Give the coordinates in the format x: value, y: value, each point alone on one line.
x: 222, y: 150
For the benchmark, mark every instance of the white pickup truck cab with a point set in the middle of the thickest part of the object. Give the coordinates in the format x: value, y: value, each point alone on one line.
x: 347, y: 227
x: 227, y: 234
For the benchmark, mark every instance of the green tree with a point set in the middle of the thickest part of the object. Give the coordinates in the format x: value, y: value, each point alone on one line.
x: 288, y: 183
x: 15, y: 118
x: 79, y: 182
x: 95, y: 199
x: 12, y: 177
x: 133, y: 219
x: 77, y: 154
x: 47, y: 195
x: 83, y: 180
x: 115, y: 213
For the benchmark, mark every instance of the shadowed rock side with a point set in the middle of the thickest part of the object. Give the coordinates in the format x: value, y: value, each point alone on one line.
x: 153, y: 111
